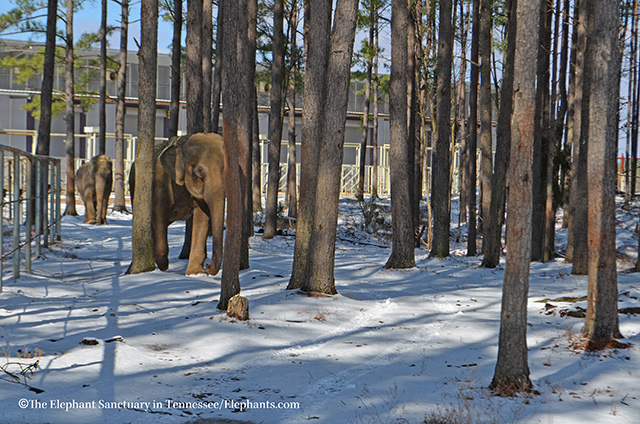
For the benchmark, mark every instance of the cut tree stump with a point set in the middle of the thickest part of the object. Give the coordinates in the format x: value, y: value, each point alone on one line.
x: 238, y: 308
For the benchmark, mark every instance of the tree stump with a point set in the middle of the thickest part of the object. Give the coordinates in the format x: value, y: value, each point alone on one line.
x: 238, y: 308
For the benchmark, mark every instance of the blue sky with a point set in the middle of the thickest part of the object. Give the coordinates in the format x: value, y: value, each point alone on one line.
x: 88, y: 20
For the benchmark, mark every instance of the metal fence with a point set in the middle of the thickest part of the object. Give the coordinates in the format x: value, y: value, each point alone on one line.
x: 31, y: 194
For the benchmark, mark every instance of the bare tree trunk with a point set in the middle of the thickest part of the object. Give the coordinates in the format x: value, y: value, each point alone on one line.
x: 118, y: 180
x: 48, y: 71
x: 365, y: 116
x: 402, y: 251
x: 141, y: 237
x: 217, y: 74
x: 235, y: 75
x: 207, y: 66
x: 512, y: 369
x: 463, y: 130
x: 317, y: 26
x: 256, y: 166
x: 374, y: 144
x: 70, y: 143
x: 602, y: 71
x: 275, y: 120
x: 102, y: 103
x: 579, y: 195
x: 292, y: 183
x: 472, y: 143
x: 485, y: 106
x: 193, y: 65
x: 176, y: 71
x: 492, y: 244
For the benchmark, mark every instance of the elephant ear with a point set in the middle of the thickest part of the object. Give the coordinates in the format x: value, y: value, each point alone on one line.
x: 173, y: 164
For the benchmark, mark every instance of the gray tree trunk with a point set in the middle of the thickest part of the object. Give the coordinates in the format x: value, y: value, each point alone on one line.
x: 402, y: 251
x: 70, y: 143
x: 141, y: 234
x: 602, y: 70
x: 176, y: 71
x: 492, y: 240
x: 472, y: 142
x: 207, y: 65
x: 292, y: 184
x: 118, y: 180
x: 217, y: 73
x: 485, y: 106
x: 512, y: 369
x: 193, y: 65
x: 275, y: 120
x: 48, y: 71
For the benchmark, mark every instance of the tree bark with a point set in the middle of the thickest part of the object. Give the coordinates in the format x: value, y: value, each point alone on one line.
x: 102, y: 103
x: 492, y: 244
x: 319, y: 277
x: 275, y: 121
x: 70, y: 143
x: 118, y: 180
x: 193, y: 64
x: 48, y: 71
x: 141, y: 237
x: 472, y: 142
x: 176, y: 71
x: 485, y: 106
x: 402, y: 251
x: 441, y: 191
x: 207, y: 65
x: 602, y: 70
x: 217, y: 73
x: 316, y: 28
x: 292, y: 183
x: 512, y: 369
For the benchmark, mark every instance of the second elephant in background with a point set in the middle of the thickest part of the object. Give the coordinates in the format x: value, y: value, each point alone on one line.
x: 94, y: 180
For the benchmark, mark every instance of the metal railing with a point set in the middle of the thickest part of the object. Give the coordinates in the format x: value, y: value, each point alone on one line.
x: 31, y: 194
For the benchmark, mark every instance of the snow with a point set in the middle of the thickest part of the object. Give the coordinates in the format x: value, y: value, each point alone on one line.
x: 392, y: 346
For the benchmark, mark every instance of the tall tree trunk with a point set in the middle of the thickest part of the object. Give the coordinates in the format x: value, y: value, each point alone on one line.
x: 217, y: 73
x: 472, y: 142
x: 275, y: 120
x: 631, y: 99
x: 235, y: 75
x: 542, y: 136
x: 207, y: 66
x: 118, y: 180
x: 70, y: 143
x: 46, y: 92
x: 485, y: 106
x: 317, y: 26
x: 320, y: 278
x: 492, y: 245
x: 376, y: 103
x: 176, y: 71
x: 102, y: 103
x: 141, y: 234
x: 256, y: 159
x: 365, y: 116
x: 193, y: 65
x: 247, y: 49
x: 402, y: 251
x: 602, y: 71
x: 461, y: 117
x: 579, y: 195
x: 292, y: 183
x: 512, y: 369
x: 441, y: 191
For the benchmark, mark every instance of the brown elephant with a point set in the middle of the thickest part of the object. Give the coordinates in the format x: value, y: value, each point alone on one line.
x: 93, y: 181
x: 189, y: 178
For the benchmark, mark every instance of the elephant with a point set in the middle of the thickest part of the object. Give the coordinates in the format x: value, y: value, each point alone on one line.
x: 93, y: 181
x: 188, y: 179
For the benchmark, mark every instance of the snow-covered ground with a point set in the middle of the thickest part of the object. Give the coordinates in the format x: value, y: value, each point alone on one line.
x: 393, y: 346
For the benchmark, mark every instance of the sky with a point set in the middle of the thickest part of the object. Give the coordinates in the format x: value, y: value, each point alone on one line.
x: 88, y: 19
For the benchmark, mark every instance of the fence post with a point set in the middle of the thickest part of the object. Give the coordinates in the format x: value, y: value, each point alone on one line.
x: 16, y: 216
x: 38, y: 207
x: 45, y: 203
x: 52, y: 208
x: 58, y: 200
x: 27, y: 225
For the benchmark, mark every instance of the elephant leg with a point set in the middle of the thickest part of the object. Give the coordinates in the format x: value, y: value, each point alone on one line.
x: 159, y: 223
x: 198, y: 242
x: 101, y: 205
x: 217, y: 232
x: 89, y: 206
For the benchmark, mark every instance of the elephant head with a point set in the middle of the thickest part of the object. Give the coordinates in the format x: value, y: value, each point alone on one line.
x: 196, y: 164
